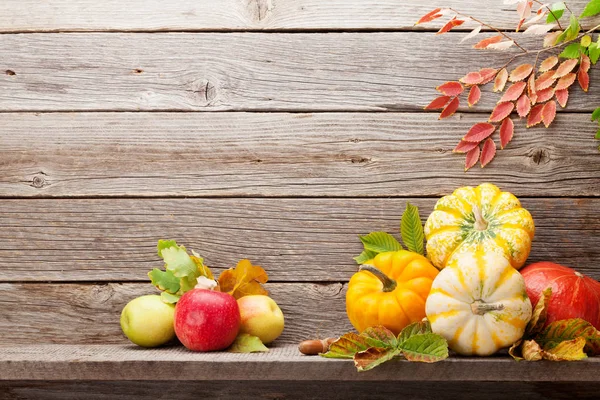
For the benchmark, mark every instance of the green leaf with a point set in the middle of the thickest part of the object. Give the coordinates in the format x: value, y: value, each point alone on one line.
x: 169, y: 298
x: 569, y: 329
x: 347, y: 346
x: 365, y: 256
x: 179, y: 262
x: 246, y: 343
x: 381, y: 337
x: 412, y: 229
x: 165, y: 244
x: 164, y: 280
x: 598, y: 134
x: 380, y: 242
x: 557, y: 9
x: 373, y: 356
x: 428, y: 347
x: 596, y: 114
x: 594, y: 52
x: 592, y: 8
x: 569, y: 350
x: 571, y: 51
x: 416, y: 328
x: 538, y: 320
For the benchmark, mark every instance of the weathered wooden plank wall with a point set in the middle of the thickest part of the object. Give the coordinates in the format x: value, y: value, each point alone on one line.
x: 96, y: 155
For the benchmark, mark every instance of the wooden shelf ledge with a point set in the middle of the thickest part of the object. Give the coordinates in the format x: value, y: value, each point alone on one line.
x: 131, y: 363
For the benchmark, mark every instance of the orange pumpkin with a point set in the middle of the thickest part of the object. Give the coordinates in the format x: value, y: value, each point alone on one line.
x: 390, y: 290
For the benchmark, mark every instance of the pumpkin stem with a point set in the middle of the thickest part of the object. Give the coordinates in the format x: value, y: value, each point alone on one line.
x: 388, y: 283
x: 479, y: 307
x: 480, y: 223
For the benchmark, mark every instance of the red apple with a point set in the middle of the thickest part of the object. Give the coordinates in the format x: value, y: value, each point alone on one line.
x: 574, y: 295
x: 206, y: 320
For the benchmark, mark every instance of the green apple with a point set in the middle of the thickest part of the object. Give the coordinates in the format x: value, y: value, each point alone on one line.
x: 148, y: 321
x: 261, y: 317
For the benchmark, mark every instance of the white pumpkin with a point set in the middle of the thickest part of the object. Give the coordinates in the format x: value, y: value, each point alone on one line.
x: 478, y: 303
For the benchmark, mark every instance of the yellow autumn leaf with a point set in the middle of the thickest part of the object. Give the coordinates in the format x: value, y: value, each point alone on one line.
x: 243, y: 280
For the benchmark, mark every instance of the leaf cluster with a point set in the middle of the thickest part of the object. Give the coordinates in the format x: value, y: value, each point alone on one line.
x: 376, y: 345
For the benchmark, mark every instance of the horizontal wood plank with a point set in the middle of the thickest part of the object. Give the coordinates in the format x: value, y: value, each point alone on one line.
x: 280, y: 154
x: 293, y: 239
x: 288, y: 389
x: 174, y: 15
x: 240, y: 71
x: 129, y: 363
x: 89, y: 313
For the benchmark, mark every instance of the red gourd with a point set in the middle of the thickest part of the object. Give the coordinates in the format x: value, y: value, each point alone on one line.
x: 574, y: 295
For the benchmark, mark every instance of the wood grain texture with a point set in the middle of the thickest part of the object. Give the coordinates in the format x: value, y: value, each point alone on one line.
x: 240, y: 71
x: 176, y: 15
x: 280, y: 154
x: 293, y: 239
x: 130, y: 363
x: 89, y: 313
x: 278, y: 390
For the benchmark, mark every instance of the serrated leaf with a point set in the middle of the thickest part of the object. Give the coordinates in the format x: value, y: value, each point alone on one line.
x: 164, y: 280
x: 347, y: 346
x: 570, y: 350
x: 500, y: 80
x: 523, y: 106
x: 569, y: 329
x: 488, y: 152
x: 365, y: 256
x: 472, y: 157
x: 558, y: 10
x: 535, y: 115
x: 545, y: 95
x: 451, y: 88
x: 379, y: 336
x: 594, y: 52
x: 513, y: 92
x: 438, y: 103
x: 565, y: 67
x: 243, y: 280
x: 596, y: 114
x: 488, y: 74
x: 562, y: 96
x: 454, y: 22
x: 538, y: 319
x: 571, y: 51
x: 464, y: 147
x: 474, y: 95
x: 472, y: 78
x: 551, y: 38
x: 482, y: 44
x: 584, y: 80
x: 501, y: 111
x: 428, y: 348
x: 507, y: 130
x: 372, y: 357
x: 478, y: 132
x: 380, y: 242
x: 565, y: 81
x: 531, y: 92
x: 585, y: 63
x: 573, y: 30
x: 245, y: 343
x: 592, y: 8
x: 549, y: 113
x: 178, y: 261
x: 450, y: 109
x: 585, y: 41
x: 473, y: 33
x: 416, y: 328
x: 548, y: 64
x: 411, y: 229
x: 430, y: 16
x: 531, y: 351
x: 544, y: 81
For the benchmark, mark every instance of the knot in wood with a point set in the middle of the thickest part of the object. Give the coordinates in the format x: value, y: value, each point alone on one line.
x: 38, y: 181
x: 204, y: 91
x: 540, y: 156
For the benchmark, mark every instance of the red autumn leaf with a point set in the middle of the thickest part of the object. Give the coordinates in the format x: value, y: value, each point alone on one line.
x: 564, y: 68
x: 535, y: 115
x: 584, y: 79
x: 486, y: 42
x: 501, y: 111
x: 472, y: 157
x: 531, y: 88
x: 472, y: 78
x: 520, y: 73
x: 478, y: 132
x: 488, y: 152
x: 507, y: 130
x: 454, y: 22
x: 562, y: 96
x: 523, y: 106
x: 430, y: 16
x: 465, y: 147
x: 513, y: 92
x: 438, y: 102
x: 545, y: 81
x: 450, y: 88
x: 549, y: 113
x: 565, y: 81
x: 474, y: 95
x: 548, y: 63
x: 585, y: 63
x: 500, y: 80
x: 450, y: 108
x: 545, y: 95
x: 487, y: 74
